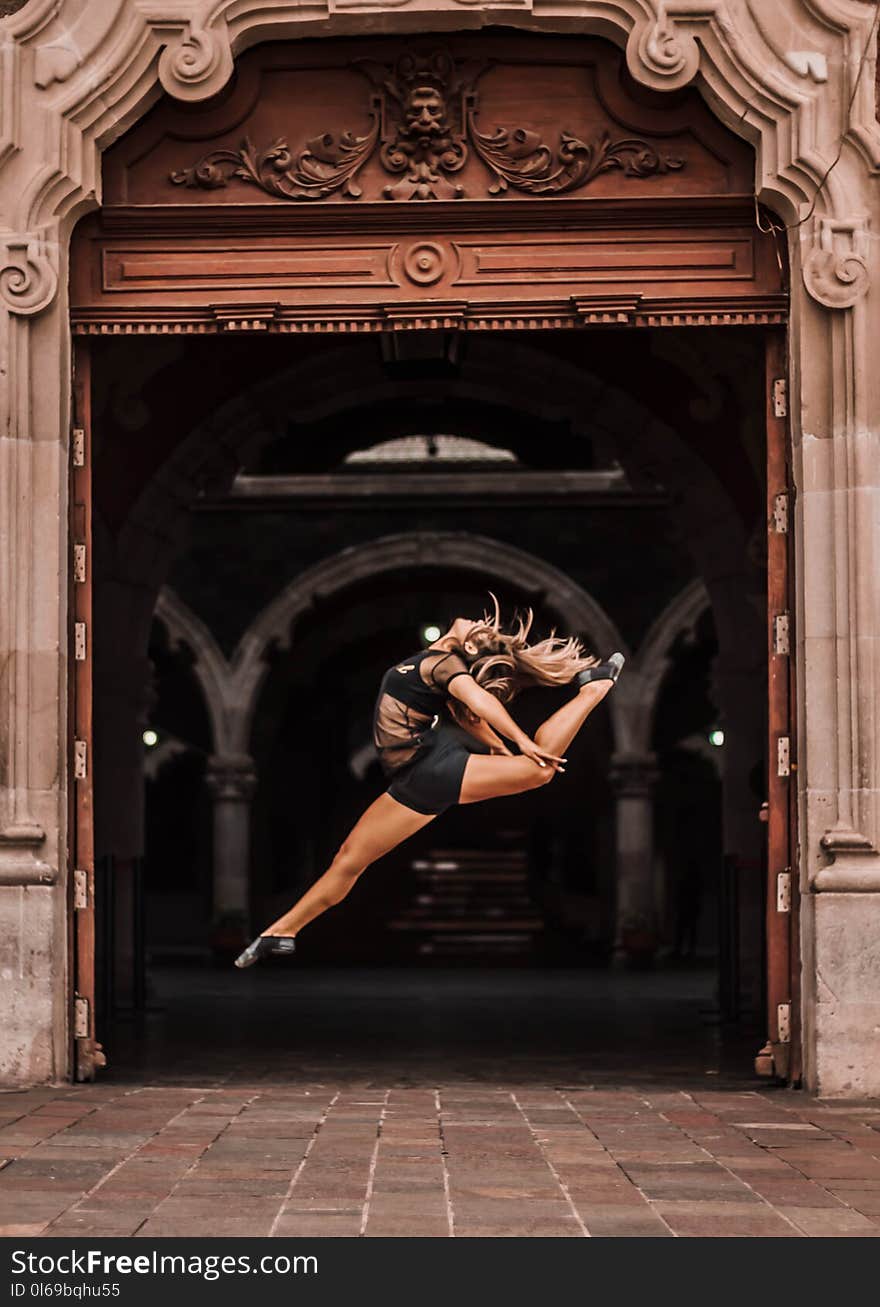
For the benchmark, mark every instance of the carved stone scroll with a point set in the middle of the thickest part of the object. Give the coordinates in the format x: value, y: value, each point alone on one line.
x: 197, y: 64
x: 836, y: 271
x: 28, y: 273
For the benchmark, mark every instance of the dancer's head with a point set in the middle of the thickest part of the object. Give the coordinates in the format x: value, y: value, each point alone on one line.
x: 504, y: 662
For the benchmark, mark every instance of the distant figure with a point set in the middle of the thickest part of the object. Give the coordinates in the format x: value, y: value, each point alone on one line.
x: 438, y: 727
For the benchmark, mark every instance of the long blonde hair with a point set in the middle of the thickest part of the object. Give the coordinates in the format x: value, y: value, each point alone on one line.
x: 506, y: 663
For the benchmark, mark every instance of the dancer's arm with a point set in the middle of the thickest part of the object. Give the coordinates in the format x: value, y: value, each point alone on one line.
x: 485, y: 705
x: 478, y: 728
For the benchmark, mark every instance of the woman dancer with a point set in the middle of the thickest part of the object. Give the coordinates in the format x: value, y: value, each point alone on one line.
x: 443, y: 736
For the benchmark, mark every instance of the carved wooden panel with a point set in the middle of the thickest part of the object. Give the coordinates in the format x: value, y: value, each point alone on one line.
x: 137, y: 269
x: 484, y: 182
x: 220, y: 270
x: 432, y: 119
x: 586, y: 261
x: 242, y: 265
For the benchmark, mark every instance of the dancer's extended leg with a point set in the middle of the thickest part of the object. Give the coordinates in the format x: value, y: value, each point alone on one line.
x: 558, y: 731
x: 384, y: 825
x: 491, y: 777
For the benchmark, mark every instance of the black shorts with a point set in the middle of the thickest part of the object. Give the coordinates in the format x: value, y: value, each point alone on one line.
x: 432, y: 782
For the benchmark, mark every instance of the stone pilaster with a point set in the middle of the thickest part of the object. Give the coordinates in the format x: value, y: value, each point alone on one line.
x: 837, y: 466
x: 33, y: 715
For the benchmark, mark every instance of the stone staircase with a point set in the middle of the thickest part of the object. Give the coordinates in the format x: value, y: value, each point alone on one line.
x: 469, y: 904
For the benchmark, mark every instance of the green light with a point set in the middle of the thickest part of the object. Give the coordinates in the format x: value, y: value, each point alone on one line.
x: 431, y: 633
x: 716, y: 737
x: 151, y: 739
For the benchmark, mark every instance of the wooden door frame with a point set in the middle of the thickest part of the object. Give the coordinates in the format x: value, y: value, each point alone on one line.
x: 97, y: 313
x: 780, y: 1057
x: 87, y: 1053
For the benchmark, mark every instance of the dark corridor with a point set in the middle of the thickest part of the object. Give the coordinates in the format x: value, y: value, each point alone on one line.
x: 593, y: 471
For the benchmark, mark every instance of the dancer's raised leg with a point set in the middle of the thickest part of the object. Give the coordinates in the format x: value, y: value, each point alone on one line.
x: 493, y: 777
x: 558, y: 731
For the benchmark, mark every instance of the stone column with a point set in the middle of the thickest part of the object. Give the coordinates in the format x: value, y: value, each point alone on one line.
x: 231, y: 781
x: 633, y: 776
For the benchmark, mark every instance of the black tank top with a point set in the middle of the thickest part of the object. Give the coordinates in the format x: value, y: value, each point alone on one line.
x: 410, y: 698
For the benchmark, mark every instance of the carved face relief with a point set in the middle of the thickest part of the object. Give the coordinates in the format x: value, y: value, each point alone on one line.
x: 425, y: 112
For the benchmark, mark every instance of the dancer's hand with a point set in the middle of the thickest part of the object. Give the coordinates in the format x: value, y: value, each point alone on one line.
x: 529, y: 749
x: 500, y: 749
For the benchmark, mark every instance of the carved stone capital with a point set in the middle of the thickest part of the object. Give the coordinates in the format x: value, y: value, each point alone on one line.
x: 28, y: 272
x: 660, y: 53
x: 231, y: 778
x: 634, y: 775
x: 854, y: 864
x: 836, y: 271
x: 197, y: 62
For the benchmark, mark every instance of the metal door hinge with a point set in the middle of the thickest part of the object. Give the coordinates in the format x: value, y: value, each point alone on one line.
x: 783, y: 756
x: 78, y: 447
x: 781, y: 634
x: 80, y: 767
x: 79, y: 563
x: 80, y: 889
x: 783, y: 1022
x: 80, y: 1018
x: 783, y: 891
x: 779, y: 516
x: 79, y: 641
x: 780, y: 398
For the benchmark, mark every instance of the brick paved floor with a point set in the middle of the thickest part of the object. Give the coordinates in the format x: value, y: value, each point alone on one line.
x: 475, y: 1142
x: 325, y: 1159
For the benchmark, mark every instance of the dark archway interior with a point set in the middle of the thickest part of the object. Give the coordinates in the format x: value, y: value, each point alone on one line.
x: 669, y: 425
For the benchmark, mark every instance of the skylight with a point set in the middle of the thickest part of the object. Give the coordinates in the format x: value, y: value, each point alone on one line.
x: 431, y: 449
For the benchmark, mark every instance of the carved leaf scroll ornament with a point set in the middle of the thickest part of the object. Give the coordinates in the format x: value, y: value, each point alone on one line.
x: 423, y: 121
x: 519, y: 159
x: 327, y: 164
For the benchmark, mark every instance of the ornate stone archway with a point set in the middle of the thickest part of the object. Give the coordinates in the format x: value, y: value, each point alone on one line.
x: 637, y: 700
x: 76, y: 75
x: 232, y: 686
